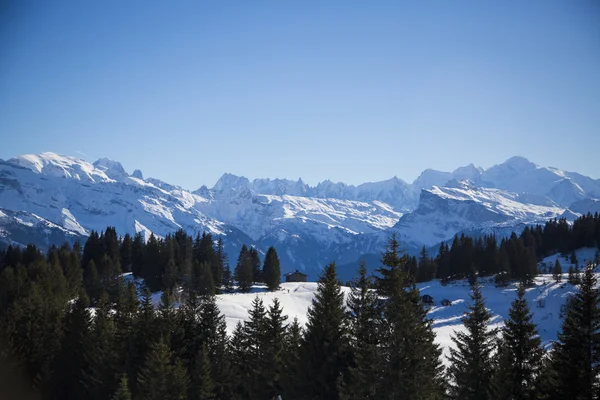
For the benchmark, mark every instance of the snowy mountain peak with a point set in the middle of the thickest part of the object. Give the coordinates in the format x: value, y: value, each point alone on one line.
x: 431, y: 177
x: 138, y: 174
x: 519, y: 163
x: 231, y: 181
x: 470, y: 172
x: 112, y: 169
x: 55, y: 165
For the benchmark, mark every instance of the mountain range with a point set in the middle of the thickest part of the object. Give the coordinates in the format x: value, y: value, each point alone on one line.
x: 48, y: 199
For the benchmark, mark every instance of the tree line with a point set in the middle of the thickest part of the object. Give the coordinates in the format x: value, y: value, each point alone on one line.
x: 375, y: 343
x: 513, y: 258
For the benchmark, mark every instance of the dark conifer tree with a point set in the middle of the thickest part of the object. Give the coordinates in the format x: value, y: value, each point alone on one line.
x: 520, y: 354
x: 138, y: 255
x: 126, y: 252
x: 471, y: 365
x: 102, y: 356
x: 324, y: 356
x: 92, y: 283
x: 220, y: 265
x: 364, y: 318
x: 576, y: 355
x: 255, y: 339
x: 213, y: 334
x: 201, y: 385
x: 240, y: 363
x: 255, y: 262
x: 557, y: 271
x: 244, y: 274
x: 291, y: 358
x: 145, y: 334
x: 393, y: 268
x: 271, y: 270
x: 72, y: 362
x: 160, y: 378
x: 411, y: 359
x: 202, y: 280
x: 123, y: 392
x: 275, y: 342
x: 171, y: 275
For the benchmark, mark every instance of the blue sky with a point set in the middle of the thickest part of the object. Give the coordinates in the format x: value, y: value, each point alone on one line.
x: 351, y: 91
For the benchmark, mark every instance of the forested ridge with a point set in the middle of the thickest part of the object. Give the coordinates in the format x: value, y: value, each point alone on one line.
x: 71, y: 326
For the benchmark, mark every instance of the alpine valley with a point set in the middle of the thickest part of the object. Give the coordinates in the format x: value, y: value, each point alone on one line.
x: 47, y: 199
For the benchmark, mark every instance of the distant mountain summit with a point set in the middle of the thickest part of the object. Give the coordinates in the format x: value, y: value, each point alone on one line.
x: 48, y: 198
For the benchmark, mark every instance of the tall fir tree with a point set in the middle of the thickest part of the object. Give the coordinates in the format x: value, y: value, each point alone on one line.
x: 471, y: 363
x: 411, y: 359
x: 244, y: 274
x: 324, y: 355
x: 576, y: 355
x: 160, y: 378
x: 102, y: 358
x: 72, y: 362
x: 557, y: 271
x: 255, y: 262
x: 123, y: 392
x: 520, y: 354
x: 364, y: 320
x: 255, y: 339
x: 274, y: 352
x: 201, y: 383
x: 272, y: 270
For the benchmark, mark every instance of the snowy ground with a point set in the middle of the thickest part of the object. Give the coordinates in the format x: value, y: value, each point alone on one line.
x: 545, y: 300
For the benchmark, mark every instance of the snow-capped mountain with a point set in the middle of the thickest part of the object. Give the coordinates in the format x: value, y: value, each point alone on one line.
x: 48, y: 198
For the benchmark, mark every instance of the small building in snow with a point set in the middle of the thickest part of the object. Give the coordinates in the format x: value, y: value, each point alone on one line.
x: 295, y: 276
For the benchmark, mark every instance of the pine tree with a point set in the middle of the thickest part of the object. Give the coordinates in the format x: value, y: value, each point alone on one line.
x: 471, y: 365
x: 222, y: 266
x: 520, y: 354
x: 101, y: 379
x: 201, y: 384
x: 576, y: 355
x: 291, y: 358
x: 393, y: 269
x: 557, y: 271
x: 145, y: 335
x: 324, y: 356
x: 122, y: 392
x: 170, y: 275
x: 271, y: 270
x: 92, y: 282
x: 71, y: 361
x: 411, y: 358
x: 364, y: 318
x: 159, y: 378
x: 275, y: 342
x: 240, y: 363
x: 244, y: 274
x: 202, y: 281
x: 255, y: 337
x: 255, y: 262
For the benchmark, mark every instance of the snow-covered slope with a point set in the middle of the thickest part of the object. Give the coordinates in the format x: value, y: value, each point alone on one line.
x: 545, y: 300
x: 461, y: 206
x: 309, y: 225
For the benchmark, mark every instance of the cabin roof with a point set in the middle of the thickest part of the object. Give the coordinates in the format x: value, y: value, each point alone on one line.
x: 294, y: 273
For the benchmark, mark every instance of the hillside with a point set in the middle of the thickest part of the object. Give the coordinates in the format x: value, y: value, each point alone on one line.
x: 545, y: 300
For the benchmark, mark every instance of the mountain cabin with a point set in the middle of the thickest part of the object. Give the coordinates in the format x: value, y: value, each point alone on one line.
x: 295, y: 276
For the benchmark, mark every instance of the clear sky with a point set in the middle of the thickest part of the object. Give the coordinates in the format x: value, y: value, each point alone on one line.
x: 351, y: 91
